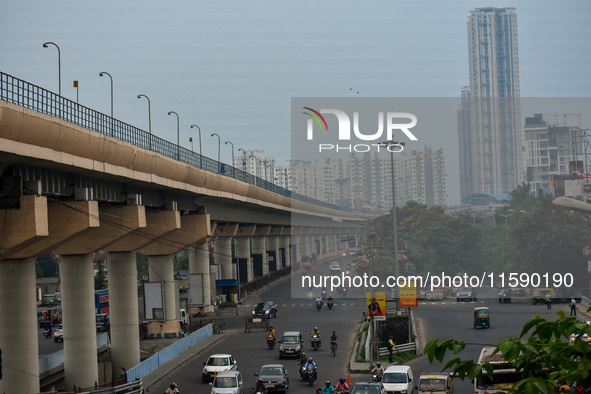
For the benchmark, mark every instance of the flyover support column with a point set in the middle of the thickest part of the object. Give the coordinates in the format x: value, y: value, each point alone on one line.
x: 123, y: 310
x: 77, y: 291
x: 284, y: 242
x: 273, y: 247
x: 223, y: 257
x: 244, y: 259
x: 161, y: 270
x: 259, y: 256
x: 199, y: 264
x: 18, y: 327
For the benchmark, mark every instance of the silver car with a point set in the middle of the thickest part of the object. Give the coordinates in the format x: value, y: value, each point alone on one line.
x: 228, y: 382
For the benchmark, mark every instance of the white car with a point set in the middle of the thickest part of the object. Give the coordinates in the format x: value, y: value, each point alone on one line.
x: 58, y: 334
x: 334, y: 267
x: 217, y: 363
x: 398, y: 379
x: 228, y: 382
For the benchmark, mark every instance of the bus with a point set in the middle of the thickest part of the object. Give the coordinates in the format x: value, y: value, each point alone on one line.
x: 504, y: 373
x: 101, y: 301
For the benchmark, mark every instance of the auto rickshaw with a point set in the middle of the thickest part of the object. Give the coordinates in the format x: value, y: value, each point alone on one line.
x: 481, y: 317
x: 539, y: 296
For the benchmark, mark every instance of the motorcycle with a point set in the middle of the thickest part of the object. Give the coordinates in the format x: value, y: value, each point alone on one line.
x: 270, y: 341
x: 319, y: 304
x: 315, y: 342
x: 329, y: 303
x: 324, y: 294
x: 377, y: 377
x: 47, y: 332
x: 309, y: 375
x: 341, y: 391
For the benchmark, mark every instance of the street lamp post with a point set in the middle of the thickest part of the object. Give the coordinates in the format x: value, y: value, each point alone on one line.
x: 102, y: 74
x: 59, y: 64
x: 149, y: 118
x: 226, y: 143
x: 178, y: 135
x: 200, y: 153
x: 243, y: 160
x: 219, y: 145
x: 391, y: 146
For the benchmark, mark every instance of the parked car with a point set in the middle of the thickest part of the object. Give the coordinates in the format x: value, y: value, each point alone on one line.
x: 466, y: 294
x: 103, y: 322
x: 228, y: 382
x: 217, y: 363
x: 58, y: 333
x: 266, y: 309
x: 367, y: 388
x: 398, y: 379
x: 290, y: 344
x: 274, y: 377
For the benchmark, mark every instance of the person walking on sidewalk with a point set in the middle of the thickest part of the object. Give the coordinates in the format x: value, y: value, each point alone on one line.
x: 573, y: 307
x: 391, y: 345
x: 548, y: 301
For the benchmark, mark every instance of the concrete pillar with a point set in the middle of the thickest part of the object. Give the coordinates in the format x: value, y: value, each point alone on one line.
x: 199, y: 264
x: 259, y: 247
x: 161, y: 270
x: 77, y: 291
x: 18, y: 327
x: 123, y: 308
x: 296, y: 251
x: 223, y: 257
x: 243, y: 253
x: 284, y: 242
x: 273, y: 246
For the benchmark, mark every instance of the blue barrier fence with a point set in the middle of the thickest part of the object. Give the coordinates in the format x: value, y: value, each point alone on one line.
x: 167, y: 354
x: 56, y: 360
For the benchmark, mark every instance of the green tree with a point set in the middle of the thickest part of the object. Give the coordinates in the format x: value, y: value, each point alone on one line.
x: 543, y: 353
x: 100, y: 281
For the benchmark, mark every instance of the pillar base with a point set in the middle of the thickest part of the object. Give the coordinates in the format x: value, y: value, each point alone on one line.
x: 168, y: 329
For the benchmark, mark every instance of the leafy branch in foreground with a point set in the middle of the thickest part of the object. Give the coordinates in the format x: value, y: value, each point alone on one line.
x: 547, y: 353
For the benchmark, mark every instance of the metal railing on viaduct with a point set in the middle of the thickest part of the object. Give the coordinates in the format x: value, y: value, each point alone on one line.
x: 25, y: 94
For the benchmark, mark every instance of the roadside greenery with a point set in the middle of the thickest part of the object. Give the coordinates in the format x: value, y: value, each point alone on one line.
x: 543, y: 353
x: 528, y: 235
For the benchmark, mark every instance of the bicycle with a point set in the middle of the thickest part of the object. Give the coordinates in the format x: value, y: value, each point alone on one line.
x: 333, y: 348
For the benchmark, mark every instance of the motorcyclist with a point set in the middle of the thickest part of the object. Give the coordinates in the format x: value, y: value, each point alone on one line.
x: 303, y: 359
x: 342, y: 385
x: 311, y: 365
x: 271, y: 332
x: 172, y: 389
x: 329, y: 300
x: 47, y: 329
x: 378, y: 370
x: 328, y: 388
x: 319, y: 300
x: 317, y: 333
x: 334, y: 339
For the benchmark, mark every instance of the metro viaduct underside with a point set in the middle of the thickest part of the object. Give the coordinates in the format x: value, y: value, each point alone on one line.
x: 72, y: 192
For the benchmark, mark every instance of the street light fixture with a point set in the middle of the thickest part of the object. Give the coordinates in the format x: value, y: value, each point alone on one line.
x: 200, y: 153
x: 389, y: 144
x: 149, y: 118
x: 244, y: 159
x: 102, y: 74
x: 226, y: 143
x: 59, y: 64
x: 178, y: 135
x: 219, y: 145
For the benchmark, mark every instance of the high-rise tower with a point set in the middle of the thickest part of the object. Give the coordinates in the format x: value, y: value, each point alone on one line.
x: 489, y: 129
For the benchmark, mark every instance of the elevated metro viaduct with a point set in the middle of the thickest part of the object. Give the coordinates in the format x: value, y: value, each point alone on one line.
x: 72, y: 191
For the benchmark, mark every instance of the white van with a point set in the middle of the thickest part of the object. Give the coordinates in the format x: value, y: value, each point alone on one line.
x: 398, y: 379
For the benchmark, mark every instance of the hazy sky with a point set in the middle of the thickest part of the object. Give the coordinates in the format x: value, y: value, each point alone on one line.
x: 232, y: 67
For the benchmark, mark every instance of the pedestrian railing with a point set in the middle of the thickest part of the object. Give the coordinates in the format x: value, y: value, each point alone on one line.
x: 405, y: 347
x: 27, y: 95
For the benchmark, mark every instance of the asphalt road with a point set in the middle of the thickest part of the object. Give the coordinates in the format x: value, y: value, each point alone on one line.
x: 454, y: 320
x: 294, y: 314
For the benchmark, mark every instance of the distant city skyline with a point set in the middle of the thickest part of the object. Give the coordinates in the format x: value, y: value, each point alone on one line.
x: 234, y: 73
